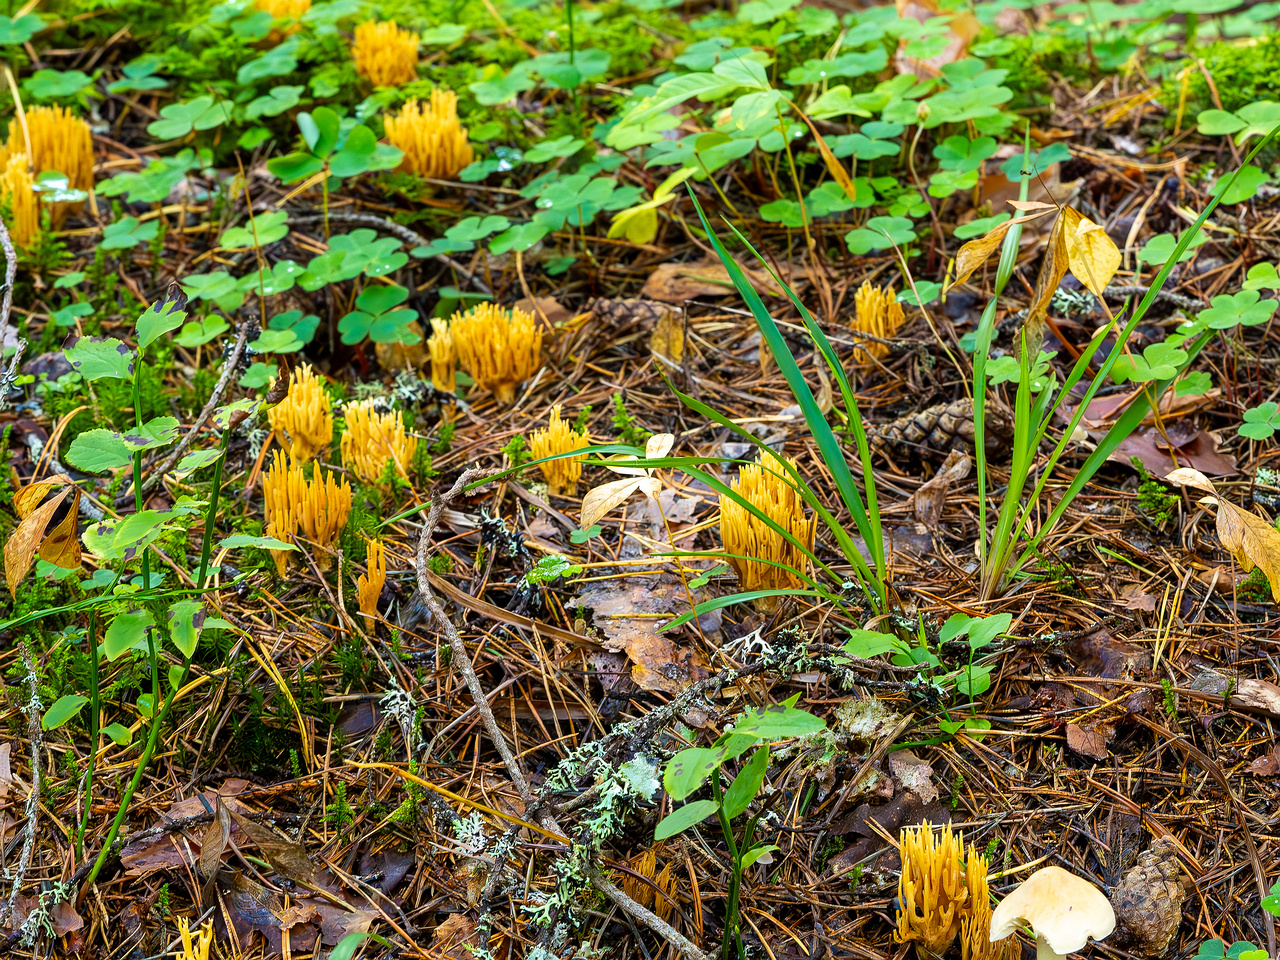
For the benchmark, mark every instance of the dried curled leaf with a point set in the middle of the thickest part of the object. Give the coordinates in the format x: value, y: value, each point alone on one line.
x: 1186, y: 477
x: 1250, y: 539
x: 58, y: 545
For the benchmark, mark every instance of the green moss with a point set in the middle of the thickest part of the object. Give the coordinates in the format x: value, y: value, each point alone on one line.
x: 1243, y: 71
x: 1033, y: 62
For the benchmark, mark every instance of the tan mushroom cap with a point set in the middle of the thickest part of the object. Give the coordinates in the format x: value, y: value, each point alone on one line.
x: 1063, y: 909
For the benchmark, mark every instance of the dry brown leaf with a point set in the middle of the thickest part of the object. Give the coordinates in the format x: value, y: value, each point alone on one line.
x: 1087, y: 741
x: 834, y: 166
x: 678, y: 282
x: 287, y: 857
x: 602, y: 499
x: 666, y: 340
x: 1093, y: 256
x: 1053, y: 268
x: 1250, y: 539
x: 929, y: 500
x: 977, y: 251
x: 1186, y: 477
x: 20, y: 549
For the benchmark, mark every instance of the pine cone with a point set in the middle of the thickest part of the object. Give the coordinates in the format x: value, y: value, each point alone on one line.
x: 938, y: 429
x: 1148, y: 901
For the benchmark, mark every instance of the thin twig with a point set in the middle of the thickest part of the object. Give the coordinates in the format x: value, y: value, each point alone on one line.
x: 228, y: 371
x: 401, y: 231
x: 34, y: 709
x: 461, y: 660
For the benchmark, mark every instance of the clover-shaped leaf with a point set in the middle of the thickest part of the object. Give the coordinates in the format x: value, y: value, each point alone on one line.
x: 56, y: 84
x: 962, y: 154
x: 138, y: 76
x: 1261, y: 422
x: 1159, y: 361
x: 880, y: 233
x: 127, y: 233
x: 377, y: 319
x: 1159, y: 248
x: 179, y: 119
x: 199, y: 332
x: 14, y: 30
x: 785, y: 212
x: 268, y: 227
x: 154, y: 183
x: 1246, y: 307
x: 1246, y: 184
x: 552, y: 149
x: 274, y: 102
x: 944, y: 183
x: 477, y: 228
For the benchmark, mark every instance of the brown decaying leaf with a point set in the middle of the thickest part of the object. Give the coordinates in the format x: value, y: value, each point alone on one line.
x: 678, y: 282
x: 666, y: 340
x: 977, y: 251
x: 1250, y: 539
x: 929, y: 500
x: 287, y: 857
x: 1053, y: 267
x: 1088, y: 741
x: 1197, y: 449
x: 834, y: 166
x: 58, y: 546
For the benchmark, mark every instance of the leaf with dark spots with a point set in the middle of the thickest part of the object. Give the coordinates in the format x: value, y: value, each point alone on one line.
x: 100, y: 358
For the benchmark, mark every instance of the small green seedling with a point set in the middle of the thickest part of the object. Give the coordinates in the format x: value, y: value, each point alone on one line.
x: 689, y: 769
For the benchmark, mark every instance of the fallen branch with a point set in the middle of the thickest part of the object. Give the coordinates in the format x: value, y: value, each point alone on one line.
x: 461, y: 660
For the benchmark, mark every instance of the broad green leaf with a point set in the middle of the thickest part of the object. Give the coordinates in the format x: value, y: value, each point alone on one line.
x: 690, y: 815
x: 871, y: 643
x: 97, y: 358
x: 186, y: 619
x: 127, y: 631
x: 777, y: 721
x: 746, y: 785
x: 96, y: 451
x: 245, y: 540
x: 268, y: 227
x: 689, y: 769
x: 120, y: 735
x: 62, y: 710
x: 1230, y: 310
x: 157, y: 320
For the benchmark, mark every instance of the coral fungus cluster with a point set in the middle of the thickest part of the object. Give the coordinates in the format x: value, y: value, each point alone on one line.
x: 52, y: 138
x: 372, y: 440
x: 369, y: 585
x: 562, y: 475
x: 876, y: 312
x: 752, y: 542
x: 316, y: 508
x: 385, y: 54
x: 434, y: 143
x: 499, y: 349
x: 303, y: 421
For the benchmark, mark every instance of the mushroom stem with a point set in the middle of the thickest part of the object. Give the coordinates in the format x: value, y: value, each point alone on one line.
x: 1044, y: 951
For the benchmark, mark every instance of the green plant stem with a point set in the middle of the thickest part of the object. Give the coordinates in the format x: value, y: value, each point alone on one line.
x: 153, y: 738
x: 94, y: 709
x: 206, y: 546
x: 731, y: 932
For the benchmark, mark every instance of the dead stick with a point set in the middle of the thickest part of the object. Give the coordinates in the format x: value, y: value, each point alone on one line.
x: 462, y: 661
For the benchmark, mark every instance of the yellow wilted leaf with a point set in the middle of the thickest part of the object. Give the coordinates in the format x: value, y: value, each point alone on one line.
x: 976, y: 252
x: 1250, y: 539
x: 666, y: 340
x: 59, y: 546
x: 1052, y: 269
x: 1092, y: 255
x: 638, y: 226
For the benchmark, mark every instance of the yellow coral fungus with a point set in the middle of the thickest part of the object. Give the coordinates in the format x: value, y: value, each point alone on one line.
x: 766, y: 487
x: 58, y: 140
x: 199, y: 948
x: 443, y: 359
x: 369, y: 586
x: 385, y: 54
x: 302, y: 421
x: 434, y: 143
x: 317, y: 508
x: 17, y: 194
x: 499, y: 349
x: 877, y: 312
x: 284, y: 10
x: 933, y: 893
x: 372, y: 440
x: 562, y: 475
x: 975, y: 921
